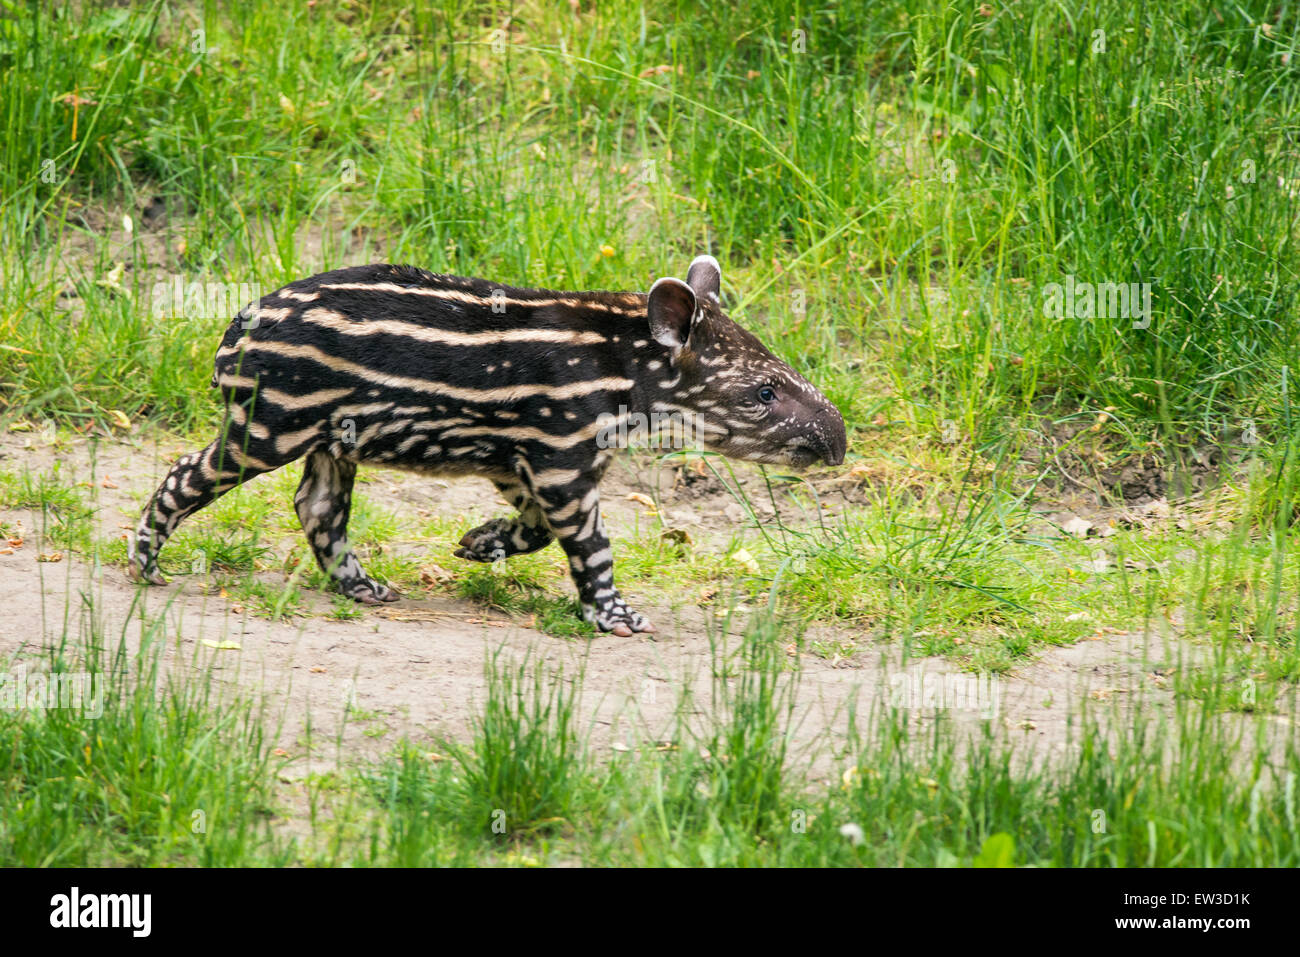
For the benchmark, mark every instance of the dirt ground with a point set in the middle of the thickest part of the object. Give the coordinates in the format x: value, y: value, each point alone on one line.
x: 416, y: 668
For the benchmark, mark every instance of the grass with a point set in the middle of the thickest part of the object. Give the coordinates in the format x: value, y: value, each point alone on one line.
x: 159, y: 773
x: 890, y: 201
x: 897, y: 191
x: 174, y: 770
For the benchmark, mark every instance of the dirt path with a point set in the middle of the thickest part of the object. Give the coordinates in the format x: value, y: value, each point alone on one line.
x: 416, y: 668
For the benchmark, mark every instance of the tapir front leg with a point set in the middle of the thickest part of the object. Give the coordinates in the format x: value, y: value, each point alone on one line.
x: 573, y: 514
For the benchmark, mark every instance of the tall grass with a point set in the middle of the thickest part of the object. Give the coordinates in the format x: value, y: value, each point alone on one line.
x: 1134, y: 786
x: 175, y: 770
x: 891, y: 186
x: 145, y: 769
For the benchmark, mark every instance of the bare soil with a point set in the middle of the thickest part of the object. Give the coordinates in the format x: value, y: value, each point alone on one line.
x: 416, y: 668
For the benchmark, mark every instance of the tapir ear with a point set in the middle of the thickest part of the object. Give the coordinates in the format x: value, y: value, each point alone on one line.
x: 671, y: 310
x: 705, y: 277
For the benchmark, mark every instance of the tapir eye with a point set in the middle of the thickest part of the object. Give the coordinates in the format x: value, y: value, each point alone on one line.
x: 766, y: 394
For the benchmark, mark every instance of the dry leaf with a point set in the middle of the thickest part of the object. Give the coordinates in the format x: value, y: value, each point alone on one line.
x: 431, y: 575
x: 745, y: 560
x: 1078, y: 527
x: 50, y: 557
x: 640, y: 499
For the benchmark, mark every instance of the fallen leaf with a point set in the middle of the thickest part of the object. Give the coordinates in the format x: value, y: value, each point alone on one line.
x: 745, y: 560
x: 644, y: 500
x: 109, y: 483
x: 222, y: 645
x: 50, y: 557
x: 431, y: 575
x: 1078, y: 527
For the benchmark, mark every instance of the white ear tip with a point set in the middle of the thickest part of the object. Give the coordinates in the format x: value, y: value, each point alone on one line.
x: 706, y: 259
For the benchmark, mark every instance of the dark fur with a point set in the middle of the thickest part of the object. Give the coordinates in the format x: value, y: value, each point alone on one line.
x: 447, y: 375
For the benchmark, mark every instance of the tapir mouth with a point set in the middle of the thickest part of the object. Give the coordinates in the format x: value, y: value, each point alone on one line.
x: 794, y: 456
x: 805, y: 453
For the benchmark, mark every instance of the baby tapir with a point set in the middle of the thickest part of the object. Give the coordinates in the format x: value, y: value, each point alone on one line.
x: 397, y: 366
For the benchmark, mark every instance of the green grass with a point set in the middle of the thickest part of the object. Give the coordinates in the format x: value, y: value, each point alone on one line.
x: 170, y: 773
x: 174, y: 771
x: 893, y: 189
x: 891, y: 195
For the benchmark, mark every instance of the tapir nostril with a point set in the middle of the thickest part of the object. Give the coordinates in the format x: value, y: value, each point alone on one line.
x: 837, y: 440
